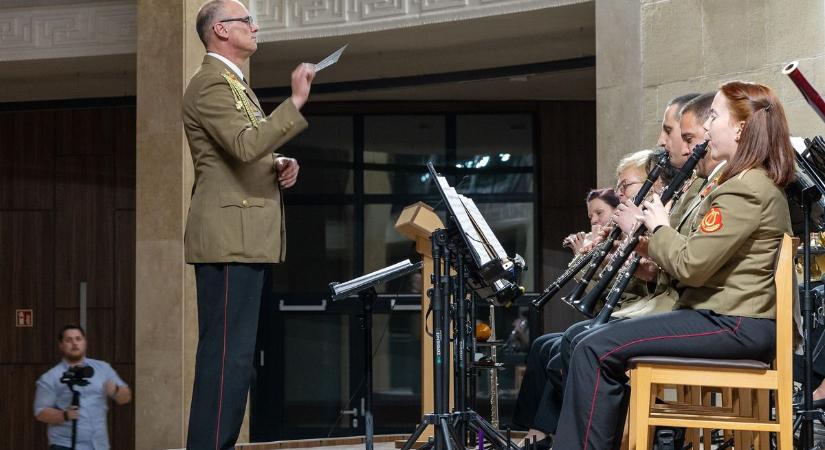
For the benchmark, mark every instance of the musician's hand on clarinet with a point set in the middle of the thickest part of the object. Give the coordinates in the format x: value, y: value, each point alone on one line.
x: 575, y: 241
x: 587, y: 247
x: 602, y: 234
x: 626, y: 216
x: 647, y: 271
x: 641, y: 247
x: 589, y: 240
x: 594, y: 239
x: 654, y: 213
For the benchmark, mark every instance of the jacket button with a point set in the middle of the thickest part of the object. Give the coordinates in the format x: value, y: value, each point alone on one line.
x: 245, y: 203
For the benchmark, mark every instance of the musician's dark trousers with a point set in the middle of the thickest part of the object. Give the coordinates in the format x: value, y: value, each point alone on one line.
x: 596, y: 395
x: 569, y: 340
x: 229, y: 298
x: 539, y: 384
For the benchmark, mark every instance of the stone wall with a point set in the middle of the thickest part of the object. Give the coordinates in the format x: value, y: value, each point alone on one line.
x: 694, y: 46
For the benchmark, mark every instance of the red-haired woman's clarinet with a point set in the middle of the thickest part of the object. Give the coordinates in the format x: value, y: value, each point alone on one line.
x: 811, y: 95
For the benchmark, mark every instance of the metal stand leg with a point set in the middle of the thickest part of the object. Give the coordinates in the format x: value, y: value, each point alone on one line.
x: 368, y: 297
x: 440, y: 293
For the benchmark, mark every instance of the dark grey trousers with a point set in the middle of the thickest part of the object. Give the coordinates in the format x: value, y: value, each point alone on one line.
x: 541, y: 390
x: 229, y: 299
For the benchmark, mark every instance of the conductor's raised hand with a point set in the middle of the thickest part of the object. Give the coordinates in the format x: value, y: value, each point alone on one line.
x: 287, y: 169
x: 302, y: 78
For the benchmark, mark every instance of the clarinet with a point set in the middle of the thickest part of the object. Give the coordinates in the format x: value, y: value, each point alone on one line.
x: 575, y: 267
x: 672, y: 192
x: 614, y: 296
x: 605, y: 247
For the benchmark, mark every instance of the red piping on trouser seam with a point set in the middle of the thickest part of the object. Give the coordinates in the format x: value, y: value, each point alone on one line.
x: 655, y: 338
x: 223, y: 358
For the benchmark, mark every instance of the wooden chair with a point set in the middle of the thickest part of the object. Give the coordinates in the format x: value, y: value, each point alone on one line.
x: 649, y: 371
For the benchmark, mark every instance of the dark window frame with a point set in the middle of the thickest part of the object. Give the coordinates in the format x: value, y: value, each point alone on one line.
x: 359, y: 199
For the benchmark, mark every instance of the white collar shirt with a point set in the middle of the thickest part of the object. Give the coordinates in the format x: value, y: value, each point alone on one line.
x: 229, y: 63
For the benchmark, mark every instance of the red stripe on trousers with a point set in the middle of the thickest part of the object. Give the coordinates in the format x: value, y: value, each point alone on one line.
x: 655, y: 338
x: 223, y: 358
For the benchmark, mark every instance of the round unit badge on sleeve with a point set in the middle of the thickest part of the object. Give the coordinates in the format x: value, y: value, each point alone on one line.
x: 712, y: 221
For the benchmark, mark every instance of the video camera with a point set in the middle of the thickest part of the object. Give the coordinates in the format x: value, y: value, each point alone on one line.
x: 77, y: 375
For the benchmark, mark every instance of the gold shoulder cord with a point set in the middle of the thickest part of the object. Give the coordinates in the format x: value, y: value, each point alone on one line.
x: 242, y: 102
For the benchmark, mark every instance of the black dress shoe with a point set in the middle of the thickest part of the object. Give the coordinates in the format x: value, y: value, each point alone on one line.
x: 542, y: 444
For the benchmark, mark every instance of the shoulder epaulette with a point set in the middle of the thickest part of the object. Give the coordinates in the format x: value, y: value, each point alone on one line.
x: 242, y: 102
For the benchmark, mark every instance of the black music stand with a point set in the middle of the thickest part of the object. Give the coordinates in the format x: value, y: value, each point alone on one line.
x: 469, y: 246
x: 807, y: 191
x: 364, y: 286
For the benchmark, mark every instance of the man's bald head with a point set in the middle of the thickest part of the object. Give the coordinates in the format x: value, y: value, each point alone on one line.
x: 206, y: 16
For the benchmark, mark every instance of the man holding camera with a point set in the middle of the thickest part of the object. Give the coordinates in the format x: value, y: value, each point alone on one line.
x: 95, y: 381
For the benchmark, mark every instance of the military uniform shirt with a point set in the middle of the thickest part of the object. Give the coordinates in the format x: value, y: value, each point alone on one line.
x: 727, y: 262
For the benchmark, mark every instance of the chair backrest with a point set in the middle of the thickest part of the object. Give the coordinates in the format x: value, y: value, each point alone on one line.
x: 785, y: 286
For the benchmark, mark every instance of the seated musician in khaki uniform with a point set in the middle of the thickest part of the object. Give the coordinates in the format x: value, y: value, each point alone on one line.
x: 728, y: 307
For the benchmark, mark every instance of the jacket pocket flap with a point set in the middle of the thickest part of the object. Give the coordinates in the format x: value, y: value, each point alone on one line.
x: 239, y: 200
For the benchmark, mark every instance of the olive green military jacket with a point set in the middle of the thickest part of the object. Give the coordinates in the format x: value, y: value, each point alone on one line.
x: 236, y: 213
x: 727, y: 262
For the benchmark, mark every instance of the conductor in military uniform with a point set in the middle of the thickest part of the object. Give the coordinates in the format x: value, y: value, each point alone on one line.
x: 728, y: 306
x: 235, y: 227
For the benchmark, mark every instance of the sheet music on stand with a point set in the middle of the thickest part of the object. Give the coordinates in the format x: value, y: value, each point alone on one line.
x: 498, y: 272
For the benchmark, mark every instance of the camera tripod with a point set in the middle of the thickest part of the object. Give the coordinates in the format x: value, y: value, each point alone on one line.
x: 451, y: 428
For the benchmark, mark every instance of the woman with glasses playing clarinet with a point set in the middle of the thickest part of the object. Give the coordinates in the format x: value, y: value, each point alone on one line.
x: 728, y: 306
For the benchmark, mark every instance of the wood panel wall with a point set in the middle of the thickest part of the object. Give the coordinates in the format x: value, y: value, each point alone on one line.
x: 567, y: 160
x: 67, y: 215
x: 565, y: 132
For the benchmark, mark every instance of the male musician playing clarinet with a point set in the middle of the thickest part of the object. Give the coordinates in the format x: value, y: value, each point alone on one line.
x: 689, y: 126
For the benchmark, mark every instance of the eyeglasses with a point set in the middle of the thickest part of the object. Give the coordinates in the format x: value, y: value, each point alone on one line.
x: 247, y: 20
x: 623, y: 185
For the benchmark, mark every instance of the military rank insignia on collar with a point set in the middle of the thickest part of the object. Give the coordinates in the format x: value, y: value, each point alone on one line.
x: 712, y: 221
x: 710, y: 187
x: 242, y: 102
